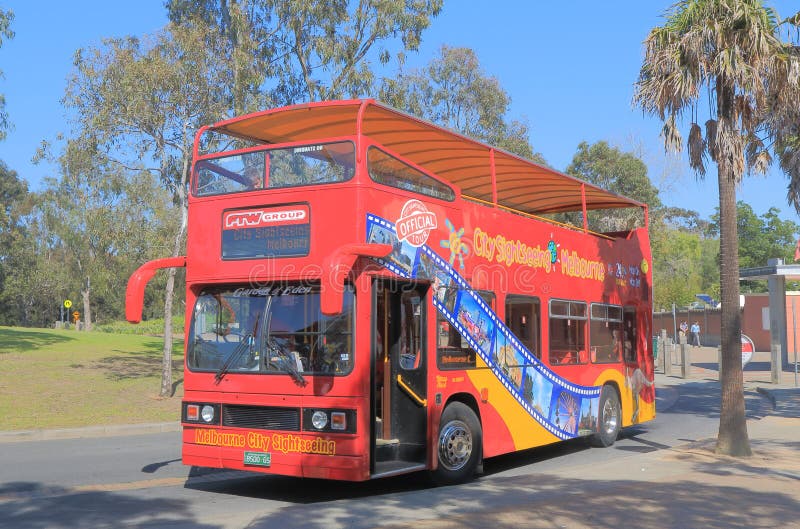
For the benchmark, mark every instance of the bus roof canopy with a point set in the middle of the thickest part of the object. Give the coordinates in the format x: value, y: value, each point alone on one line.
x: 466, y: 163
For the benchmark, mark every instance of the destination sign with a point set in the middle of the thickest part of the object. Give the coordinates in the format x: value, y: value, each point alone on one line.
x: 279, y: 231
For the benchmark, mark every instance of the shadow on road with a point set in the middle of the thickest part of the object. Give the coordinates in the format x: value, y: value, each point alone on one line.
x: 547, y: 501
x: 702, y: 398
x: 27, y: 505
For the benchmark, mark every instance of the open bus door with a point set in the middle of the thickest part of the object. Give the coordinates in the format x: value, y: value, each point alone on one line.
x: 399, y: 377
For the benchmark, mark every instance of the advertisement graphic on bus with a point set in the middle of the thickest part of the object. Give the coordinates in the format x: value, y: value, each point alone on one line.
x: 560, y: 407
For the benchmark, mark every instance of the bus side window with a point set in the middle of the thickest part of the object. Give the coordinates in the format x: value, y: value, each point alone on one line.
x: 523, y: 319
x: 629, y: 334
x: 567, y: 332
x: 410, y: 322
x: 606, y: 333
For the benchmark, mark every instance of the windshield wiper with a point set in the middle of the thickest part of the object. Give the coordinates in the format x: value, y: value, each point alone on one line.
x: 287, y: 363
x: 243, y: 346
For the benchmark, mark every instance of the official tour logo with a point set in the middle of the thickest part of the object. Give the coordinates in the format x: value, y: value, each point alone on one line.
x: 415, y: 223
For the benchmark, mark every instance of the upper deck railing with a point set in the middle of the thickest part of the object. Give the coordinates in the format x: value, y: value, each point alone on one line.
x: 478, y: 171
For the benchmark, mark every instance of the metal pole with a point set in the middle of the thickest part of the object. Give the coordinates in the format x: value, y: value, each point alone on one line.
x: 794, y: 341
x: 674, y: 324
x: 685, y: 362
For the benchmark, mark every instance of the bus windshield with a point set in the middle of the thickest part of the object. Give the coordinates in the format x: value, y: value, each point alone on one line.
x: 275, y: 168
x: 268, y: 330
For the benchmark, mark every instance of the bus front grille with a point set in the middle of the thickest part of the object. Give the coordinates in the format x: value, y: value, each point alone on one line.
x: 261, y: 417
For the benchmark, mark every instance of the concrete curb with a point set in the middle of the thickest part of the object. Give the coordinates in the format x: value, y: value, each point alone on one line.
x: 89, y: 431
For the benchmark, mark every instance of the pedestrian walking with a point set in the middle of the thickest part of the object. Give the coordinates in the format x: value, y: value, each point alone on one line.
x: 695, y: 330
x: 684, y: 329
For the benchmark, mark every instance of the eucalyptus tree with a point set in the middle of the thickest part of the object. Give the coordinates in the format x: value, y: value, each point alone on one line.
x: 108, y: 220
x: 137, y: 103
x: 308, y: 50
x: 13, y: 195
x: 761, y: 237
x: 6, y: 17
x: 452, y: 90
x: 621, y: 172
x: 728, y: 53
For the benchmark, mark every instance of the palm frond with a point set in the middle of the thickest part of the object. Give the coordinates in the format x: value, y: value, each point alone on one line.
x: 697, y: 149
x: 671, y: 135
x: 762, y: 162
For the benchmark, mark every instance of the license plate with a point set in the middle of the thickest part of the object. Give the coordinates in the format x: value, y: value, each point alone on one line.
x: 262, y: 459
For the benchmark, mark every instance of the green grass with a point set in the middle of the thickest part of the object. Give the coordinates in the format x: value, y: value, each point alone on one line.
x: 65, y: 378
x: 148, y: 328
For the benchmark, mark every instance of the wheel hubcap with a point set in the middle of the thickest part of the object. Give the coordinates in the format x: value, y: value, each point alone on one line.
x: 455, y: 445
x: 610, y: 419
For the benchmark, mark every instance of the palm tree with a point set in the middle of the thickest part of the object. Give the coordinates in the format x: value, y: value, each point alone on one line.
x: 729, y: 53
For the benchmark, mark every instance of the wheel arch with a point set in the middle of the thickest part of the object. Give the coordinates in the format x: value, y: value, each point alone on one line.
x: 615, y: 386
x: 467, y: 399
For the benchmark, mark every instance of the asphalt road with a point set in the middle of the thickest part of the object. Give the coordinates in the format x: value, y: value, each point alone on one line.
x: 139, y: 481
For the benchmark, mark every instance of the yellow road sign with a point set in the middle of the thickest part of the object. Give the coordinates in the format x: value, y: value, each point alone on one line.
x: 67, y: 303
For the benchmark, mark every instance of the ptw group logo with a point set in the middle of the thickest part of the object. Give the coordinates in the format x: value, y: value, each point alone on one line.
x: 259, y: 218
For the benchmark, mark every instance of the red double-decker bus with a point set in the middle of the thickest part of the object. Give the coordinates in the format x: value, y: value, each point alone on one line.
x: 370, y: 294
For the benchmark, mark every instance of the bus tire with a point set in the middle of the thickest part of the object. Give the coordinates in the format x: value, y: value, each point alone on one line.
x: 609, y: 418
x: 459, y: 445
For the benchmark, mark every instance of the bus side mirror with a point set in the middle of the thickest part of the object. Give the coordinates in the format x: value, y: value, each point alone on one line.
x: 134, y: 294
x: 336, y: 268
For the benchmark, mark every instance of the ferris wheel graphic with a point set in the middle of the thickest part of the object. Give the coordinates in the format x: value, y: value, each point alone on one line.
x: 567, y: 411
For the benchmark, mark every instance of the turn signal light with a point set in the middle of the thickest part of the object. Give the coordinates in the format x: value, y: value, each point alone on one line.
x: 338, y: 420
x: 192, y: 412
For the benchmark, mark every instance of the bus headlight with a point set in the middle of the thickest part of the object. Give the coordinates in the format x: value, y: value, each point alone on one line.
x: 200, y: 413
x: 207, y: 414
x: 319, y: 420
x: 334, y: 420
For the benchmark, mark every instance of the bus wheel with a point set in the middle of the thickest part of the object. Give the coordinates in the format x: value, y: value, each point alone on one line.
x: 609, y: 418
x: 459, y: 445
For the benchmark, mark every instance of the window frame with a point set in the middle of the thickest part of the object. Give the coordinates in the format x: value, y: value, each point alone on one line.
x: 319, y: 337
x: 601, y: 313
x: 264, y: 151
x: 579, y: 356
x: 520, y: 299
x: 446, y: 194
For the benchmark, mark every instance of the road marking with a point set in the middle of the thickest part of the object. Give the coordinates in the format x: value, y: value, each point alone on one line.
x: 131, y: 485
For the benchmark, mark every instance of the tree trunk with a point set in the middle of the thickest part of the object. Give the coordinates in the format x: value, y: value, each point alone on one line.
x: 166, y: 361
x: 87, y: 311
x: 732, y: 438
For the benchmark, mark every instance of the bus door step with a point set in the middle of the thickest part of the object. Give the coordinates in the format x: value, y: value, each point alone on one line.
x: 387, y: 449
x: 394, y: 468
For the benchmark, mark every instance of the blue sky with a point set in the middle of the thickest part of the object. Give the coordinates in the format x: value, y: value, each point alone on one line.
x: 569, y: 68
